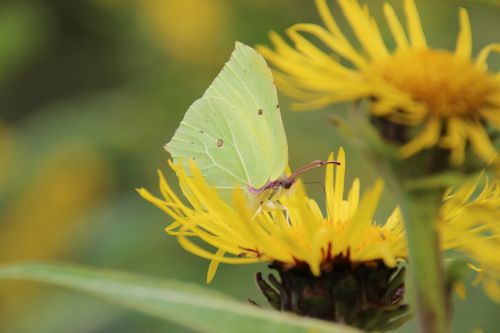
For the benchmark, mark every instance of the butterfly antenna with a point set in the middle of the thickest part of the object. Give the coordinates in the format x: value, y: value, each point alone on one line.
x: 312, y: 165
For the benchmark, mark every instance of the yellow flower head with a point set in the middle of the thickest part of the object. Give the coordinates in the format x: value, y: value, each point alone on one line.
x: 448, y: 97
x: 470, y: 224
x: 300, y: 235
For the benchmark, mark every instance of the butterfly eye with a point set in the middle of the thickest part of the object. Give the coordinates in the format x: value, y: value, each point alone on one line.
x: 288, y: 183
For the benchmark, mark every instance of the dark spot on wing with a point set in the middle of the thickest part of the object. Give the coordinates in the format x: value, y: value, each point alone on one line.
x: 192, y: 142
x: 201, y: 132
x: 277, y: 106
x: 220, y: 143
x: 260, y: 112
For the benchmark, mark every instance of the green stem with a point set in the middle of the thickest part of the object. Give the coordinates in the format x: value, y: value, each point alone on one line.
x: 420, y: 213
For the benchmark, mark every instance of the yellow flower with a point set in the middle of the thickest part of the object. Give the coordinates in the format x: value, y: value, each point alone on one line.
x: 450, y: 98
x: 188, y: 30
x: 470, y: 224
x: 306, y: 237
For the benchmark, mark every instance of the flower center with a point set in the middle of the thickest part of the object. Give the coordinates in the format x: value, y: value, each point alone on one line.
x: 368, y: 295
x: 449, y: 85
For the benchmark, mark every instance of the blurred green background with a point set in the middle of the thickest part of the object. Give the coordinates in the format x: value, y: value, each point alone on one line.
x: 89, y: 93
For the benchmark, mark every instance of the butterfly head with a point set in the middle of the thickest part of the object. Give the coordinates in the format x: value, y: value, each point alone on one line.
x: 287, y: 182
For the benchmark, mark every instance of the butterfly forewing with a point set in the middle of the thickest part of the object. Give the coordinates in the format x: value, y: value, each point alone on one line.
x: 247, y: 83
x: 234, y: 132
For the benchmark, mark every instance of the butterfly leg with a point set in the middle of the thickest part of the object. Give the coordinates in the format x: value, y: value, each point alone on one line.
x: 257, y: 212
x: 287, y: 216
x: 276, y: 205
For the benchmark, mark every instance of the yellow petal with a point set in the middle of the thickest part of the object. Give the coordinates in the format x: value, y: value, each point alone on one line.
x: 464, y: 40
x: 339, y: 184
x: 417, y: 36
x: 485, y: 53
x: 365, y: 29
x: 396, y: 29
x: 425, y: 139
x: 214, y: 263
x: 481, y: 143
x: 327, y: 18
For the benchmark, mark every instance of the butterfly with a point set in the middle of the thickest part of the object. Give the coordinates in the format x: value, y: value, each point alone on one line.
x: 235, y: 134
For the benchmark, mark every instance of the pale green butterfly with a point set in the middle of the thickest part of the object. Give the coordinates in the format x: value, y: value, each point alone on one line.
x: 234, y: 133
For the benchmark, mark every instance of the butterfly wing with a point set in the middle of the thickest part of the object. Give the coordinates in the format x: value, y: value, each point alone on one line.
x: 234, y: 132
x: 247, y: 82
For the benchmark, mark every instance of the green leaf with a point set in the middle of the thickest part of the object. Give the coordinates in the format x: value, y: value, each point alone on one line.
x: 188, y: 305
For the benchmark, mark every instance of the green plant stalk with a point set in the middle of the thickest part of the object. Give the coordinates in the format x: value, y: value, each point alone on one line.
x: 426, y: 263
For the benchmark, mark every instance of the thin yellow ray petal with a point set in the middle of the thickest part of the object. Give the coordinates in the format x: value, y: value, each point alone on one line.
x: 353, y: 197
x: 173, y: 200
x: 366, y: 31
x: 364, y: 216
x: 329, y: 188
x: 394, y: 221
x: 315, y: 55
x: 308, y: 75
x: 220, y: 240
x: 181, y: 233
x: 344, y: 49
x: 482, y: 58
x: 417, y: 36
x: 339, y: 184
x: 464, y: 40
x: 481, y: 143
x: 282, y: 47
x: 455, y: 140
x: 159, y: 203
x: 214, y: 263
x: 172, y: 226
x: 397, y: 30
x: 328, y: 20
x: 427, y: 138
x: 196, y: 250
x: 325, y: 101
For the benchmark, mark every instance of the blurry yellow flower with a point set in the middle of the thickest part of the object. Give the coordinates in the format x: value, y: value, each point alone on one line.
x: 307, y: 237
x: 189, y: 30
x: 450, y: 98
x: 470, y: 224
x: 43, y: 220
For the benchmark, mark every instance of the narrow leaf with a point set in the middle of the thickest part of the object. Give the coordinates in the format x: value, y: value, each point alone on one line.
x: 188, y: 305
